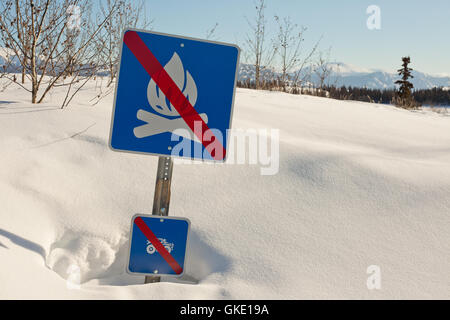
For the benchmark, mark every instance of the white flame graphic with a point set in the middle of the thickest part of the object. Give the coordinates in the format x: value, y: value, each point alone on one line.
x: 156, y: 98
x: 156, y: 124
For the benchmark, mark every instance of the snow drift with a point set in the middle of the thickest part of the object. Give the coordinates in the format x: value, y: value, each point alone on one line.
x: 359, y: 185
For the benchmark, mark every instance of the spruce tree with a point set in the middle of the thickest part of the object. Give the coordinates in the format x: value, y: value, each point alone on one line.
x: 405, y: 98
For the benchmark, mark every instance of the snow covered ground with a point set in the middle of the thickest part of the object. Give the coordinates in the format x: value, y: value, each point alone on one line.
x: 359, y: 185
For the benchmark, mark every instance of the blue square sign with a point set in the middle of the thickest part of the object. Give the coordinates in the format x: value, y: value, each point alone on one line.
x: 158, y: 245
x: 174, y: 96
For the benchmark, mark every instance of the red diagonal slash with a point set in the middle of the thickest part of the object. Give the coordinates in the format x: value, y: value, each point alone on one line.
x: 172, y: 92
x: 158, y: 245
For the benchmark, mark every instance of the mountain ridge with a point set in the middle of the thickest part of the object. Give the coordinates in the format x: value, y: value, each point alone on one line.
x: 347, y: 75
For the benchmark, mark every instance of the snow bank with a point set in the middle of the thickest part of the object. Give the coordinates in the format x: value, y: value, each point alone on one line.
x: 359, y: 185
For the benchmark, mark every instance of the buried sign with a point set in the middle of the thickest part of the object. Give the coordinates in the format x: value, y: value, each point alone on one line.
x: 158, y: 245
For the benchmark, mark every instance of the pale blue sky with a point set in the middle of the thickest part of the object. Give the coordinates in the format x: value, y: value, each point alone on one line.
x: 408, y: 27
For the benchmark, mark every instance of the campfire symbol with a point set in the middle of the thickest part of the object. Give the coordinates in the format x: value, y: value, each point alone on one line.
x: 169, y: 118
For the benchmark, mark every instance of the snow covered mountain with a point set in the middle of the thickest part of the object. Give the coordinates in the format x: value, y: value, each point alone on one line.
x: 348, y: 75
x: 8, y: 61
x: 379, y: 79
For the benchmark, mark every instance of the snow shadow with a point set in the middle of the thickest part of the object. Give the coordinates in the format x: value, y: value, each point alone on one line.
x: 315, y: 171
x: 347, y: 181
x: 6, y: 102
x: 202, y: 260
x: 18, y: 110
x: 92, y: 139
x: 22, y: 242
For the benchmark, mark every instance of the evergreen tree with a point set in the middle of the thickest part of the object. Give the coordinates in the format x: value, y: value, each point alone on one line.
x: 405, y: 98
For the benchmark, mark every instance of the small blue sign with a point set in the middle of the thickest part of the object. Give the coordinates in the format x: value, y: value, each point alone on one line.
x: 158, y: 245
x: 145, y: 120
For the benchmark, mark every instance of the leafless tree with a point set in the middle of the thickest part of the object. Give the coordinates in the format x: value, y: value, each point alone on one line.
x: 322, y: 68
x: 304, y: 67
x: 126, y: 14
x: 261, y: 53
x: 210, y: 33
x: 51, y: 41
x: 288, y: 42
x: 23, y: 38
x: 293, y: 57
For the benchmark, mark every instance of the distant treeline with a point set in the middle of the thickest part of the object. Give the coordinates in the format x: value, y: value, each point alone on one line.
x: 431, y: 97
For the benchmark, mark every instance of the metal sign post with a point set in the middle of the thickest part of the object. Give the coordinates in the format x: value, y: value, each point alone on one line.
x: 161, y: 199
